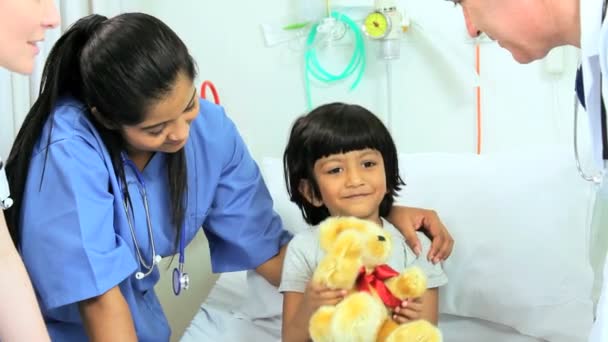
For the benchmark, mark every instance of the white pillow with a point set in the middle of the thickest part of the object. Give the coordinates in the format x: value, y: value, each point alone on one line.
x: 520, y: 222
x: 520, y: 225
x: 272, y: 171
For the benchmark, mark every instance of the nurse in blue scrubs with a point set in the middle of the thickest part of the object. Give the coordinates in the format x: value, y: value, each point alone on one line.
x: 117, y: 162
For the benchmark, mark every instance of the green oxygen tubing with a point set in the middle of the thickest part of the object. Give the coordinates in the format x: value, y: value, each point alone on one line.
x: 314, y: 69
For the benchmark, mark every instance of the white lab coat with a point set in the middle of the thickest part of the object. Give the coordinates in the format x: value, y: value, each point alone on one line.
x: 594, y: 46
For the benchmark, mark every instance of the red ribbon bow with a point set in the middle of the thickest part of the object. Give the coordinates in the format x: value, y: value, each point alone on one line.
x: 375, y: 280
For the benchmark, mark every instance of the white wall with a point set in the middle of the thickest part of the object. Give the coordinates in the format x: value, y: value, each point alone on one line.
x: 262, y: 88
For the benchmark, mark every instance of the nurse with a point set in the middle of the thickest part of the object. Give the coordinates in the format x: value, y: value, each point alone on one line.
x: 117, y: 162
x: 529, y: 29
x: 23, y: 24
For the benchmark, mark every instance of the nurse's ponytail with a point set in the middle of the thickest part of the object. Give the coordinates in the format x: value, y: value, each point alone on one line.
x: 61, y: 76
x: 121, y: 67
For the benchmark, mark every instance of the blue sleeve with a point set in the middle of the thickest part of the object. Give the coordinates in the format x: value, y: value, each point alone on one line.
x: 68, y: 242
x: 242, y: 227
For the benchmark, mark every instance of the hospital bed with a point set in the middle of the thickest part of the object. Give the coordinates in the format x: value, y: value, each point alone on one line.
x: 519, y: 271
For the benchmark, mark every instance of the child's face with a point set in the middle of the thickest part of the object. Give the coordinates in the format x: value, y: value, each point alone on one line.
x: 352, y: 184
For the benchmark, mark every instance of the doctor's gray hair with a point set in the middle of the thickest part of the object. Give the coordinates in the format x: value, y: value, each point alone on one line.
x: 120, y: 67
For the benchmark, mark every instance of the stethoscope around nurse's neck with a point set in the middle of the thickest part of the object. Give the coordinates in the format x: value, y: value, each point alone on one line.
x: 181, y: 280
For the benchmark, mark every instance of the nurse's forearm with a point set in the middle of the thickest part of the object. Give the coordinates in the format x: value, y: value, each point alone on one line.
x: 108, y: 318
x: 271, y: 270
x: 20, y: 318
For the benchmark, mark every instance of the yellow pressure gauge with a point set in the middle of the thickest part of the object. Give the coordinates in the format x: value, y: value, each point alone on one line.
x: 377, y: 25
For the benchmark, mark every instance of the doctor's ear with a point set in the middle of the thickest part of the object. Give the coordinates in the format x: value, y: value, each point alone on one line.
x: 305, y: 189
x: 103, y: 120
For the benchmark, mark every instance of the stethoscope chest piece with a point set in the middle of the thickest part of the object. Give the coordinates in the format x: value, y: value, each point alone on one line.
x: 181, y: 281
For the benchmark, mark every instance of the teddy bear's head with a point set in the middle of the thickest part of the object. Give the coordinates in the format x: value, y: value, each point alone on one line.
x: 355, y: 258
x: 354, y: 238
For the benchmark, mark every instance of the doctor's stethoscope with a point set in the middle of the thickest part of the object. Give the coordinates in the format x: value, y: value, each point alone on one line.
x: 181, y: 280
x: 598, y: 176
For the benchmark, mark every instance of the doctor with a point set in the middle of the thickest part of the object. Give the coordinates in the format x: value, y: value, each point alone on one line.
x: 22, y: 24
x: 529, y: 29
x: 118, y: 164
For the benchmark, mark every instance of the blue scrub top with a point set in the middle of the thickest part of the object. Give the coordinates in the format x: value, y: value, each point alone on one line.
x: 76, y: 242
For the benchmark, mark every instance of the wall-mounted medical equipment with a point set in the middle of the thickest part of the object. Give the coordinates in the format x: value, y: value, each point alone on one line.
x: 324, y: 24
x: 323, y: 34
x: 386, y: 24
x: 389, y: 25
x: 209, y: 85
x: 322, y: 30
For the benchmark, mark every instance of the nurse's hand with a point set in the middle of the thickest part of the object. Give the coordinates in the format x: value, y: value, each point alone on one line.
x: 409, y: 220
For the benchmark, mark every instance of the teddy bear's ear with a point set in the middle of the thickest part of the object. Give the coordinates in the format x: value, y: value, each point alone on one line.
x: 332, y: 227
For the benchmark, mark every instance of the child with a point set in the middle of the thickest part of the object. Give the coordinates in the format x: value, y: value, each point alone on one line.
x: 341, y: 161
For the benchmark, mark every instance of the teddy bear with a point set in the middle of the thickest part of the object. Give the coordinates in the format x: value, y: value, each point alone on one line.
x: 355, y: 253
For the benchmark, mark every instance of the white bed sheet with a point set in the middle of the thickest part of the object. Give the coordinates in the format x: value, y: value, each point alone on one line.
x: 220, y: 319
x: 466, y: 329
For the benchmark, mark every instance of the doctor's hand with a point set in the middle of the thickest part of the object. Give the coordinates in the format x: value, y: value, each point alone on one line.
x: 409, y: 220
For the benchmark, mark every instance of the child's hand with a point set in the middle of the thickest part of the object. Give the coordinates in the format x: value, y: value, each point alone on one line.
x: 410, y: 310
x: 317, y: 295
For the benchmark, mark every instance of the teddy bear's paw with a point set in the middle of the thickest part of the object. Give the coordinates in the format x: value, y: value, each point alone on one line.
x: 358, y: 318
x: 410, y: 284
x: 417, y: 331
x: 320, y: 322
x: 337, y: 273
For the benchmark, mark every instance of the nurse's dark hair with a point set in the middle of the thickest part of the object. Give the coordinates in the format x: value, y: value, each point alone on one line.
x: 119, y: 66
x: 330, y: 129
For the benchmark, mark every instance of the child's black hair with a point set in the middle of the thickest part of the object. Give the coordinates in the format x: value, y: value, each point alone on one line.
x: 330, y: 129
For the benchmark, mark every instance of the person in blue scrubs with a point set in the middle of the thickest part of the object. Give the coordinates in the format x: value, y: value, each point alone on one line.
x: 116, y: 159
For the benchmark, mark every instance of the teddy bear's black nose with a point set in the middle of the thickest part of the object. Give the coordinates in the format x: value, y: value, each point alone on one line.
x: 381, y: 238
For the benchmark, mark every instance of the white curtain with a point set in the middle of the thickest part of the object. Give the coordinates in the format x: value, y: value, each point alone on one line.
x: 17, y: 92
